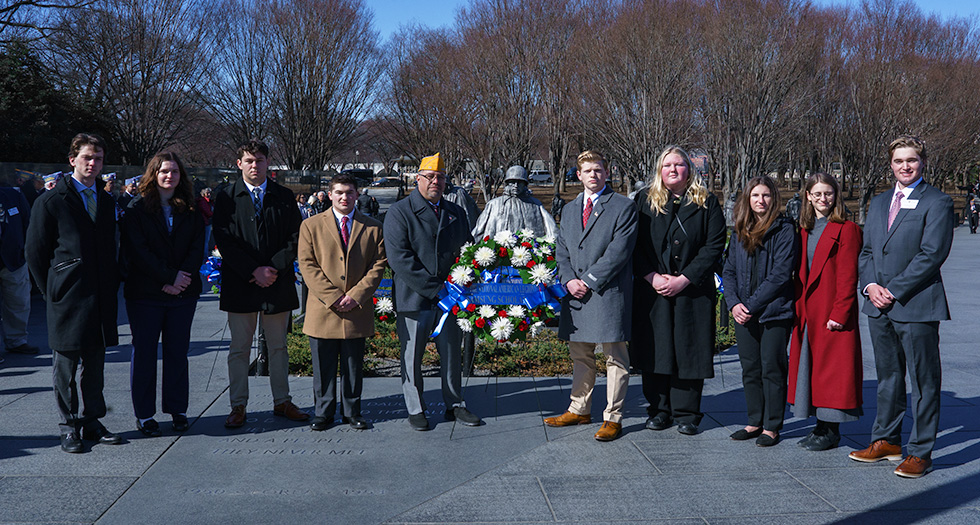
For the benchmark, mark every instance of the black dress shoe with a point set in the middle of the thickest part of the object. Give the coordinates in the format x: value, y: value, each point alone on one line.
x: 823, y: 442
x: 102, y: 435
x: 766, y: 441
x: 320, y: 423
x: 25, y: 349
x: 688, y: 429
x: 660, y: 421
x: 806, y: 440
x: 464, y: 416
x: 744, y: 435
x: 180, y: 423
x: 418, y: 421
x: 149, y: 429
x: 355, y: 422
x: 71, y: 443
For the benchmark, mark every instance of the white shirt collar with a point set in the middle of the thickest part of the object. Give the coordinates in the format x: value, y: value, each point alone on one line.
x: 261, y: 187
x: 338, y: 216
x: 596, y: 195
x: 907, y: 191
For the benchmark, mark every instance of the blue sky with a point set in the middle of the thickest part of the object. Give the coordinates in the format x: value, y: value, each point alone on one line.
x: 389, y: 15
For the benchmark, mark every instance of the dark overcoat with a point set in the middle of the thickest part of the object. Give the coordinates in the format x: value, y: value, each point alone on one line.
x: 74, y: 263
x: 422, y: 248
x: 154, y: 256
x: 676, y: 335
x: 825, y: 290
x: 600, y: 255
x: 246, y: 243
x: 15, y: 216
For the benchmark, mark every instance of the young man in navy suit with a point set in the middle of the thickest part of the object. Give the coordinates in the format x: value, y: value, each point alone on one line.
x: 907, y: 237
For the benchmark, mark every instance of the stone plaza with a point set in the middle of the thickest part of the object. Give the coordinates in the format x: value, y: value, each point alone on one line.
x: 512, y: 469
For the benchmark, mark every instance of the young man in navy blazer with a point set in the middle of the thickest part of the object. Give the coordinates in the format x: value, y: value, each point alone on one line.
x: 907, y: 237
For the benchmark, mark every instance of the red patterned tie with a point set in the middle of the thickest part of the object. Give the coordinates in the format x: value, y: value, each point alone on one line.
x: 896, y: 205
x: 586, y: 212
x: 344, y: 233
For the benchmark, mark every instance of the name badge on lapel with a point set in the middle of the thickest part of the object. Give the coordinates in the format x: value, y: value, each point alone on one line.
x: 13, y: 211
x: 910, y: 204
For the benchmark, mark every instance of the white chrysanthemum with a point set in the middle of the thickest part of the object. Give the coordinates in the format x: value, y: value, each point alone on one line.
x: 520, y: 256
x: 385, y: 305
x: 501, y: 329
x: 464, y: 324
x: 526, y: 235
x: 465, y: 246
x: 462, y: 275
x: 215, y: 253
x: 516, y: 311
x: 550, y: 239
x: 486, y: 311
x: 505, y: 238
x: 540, y: 274
x: 536, y: 328
x: 484, y: 256
x: 545, y: 249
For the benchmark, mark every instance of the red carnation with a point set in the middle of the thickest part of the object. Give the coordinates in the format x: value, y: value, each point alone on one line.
x: 457, y: 259
x: 471, y: 308
x: 523, y: 326
x: 455, y: 309
x: 531, y: 263
x: 449, y: 278
x: 502, y: 313
x: 374, y: 300
x: 550, y: 258
x: 487, y: 238
x: 383, y: 318
x: 480, y: 323
x: 476, y: 264
x: 535, y: 314
x: 502, y: 251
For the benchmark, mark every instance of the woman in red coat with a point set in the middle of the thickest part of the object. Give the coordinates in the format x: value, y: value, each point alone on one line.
x: 825, y: 349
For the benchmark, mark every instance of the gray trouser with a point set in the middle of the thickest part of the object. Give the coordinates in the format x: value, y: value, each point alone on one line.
x: 325, y: 353
x: 913, y: 346
x: 413, y: 333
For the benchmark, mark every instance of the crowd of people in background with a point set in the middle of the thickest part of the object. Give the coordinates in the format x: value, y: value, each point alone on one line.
x: 639, y: 274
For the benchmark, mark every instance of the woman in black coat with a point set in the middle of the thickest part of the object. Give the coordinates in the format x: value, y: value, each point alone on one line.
x: 163, y: 241
x: 758, y: 280
x: 680, y: 239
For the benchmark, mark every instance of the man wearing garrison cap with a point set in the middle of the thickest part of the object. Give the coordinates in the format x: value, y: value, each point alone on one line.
x: 423, y: 235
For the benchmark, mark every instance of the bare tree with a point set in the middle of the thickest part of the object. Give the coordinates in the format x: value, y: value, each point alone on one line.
x: 33, y: 19
x: 139, y: 64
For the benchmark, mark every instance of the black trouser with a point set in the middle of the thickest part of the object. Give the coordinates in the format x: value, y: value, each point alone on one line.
x: 148, y: 320
x: 762, y: 352
x: 669, y: 394
x: 325, y: 353
x: 92, y: 381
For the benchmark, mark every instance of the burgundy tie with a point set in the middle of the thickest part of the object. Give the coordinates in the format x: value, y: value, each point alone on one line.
x: 586, y: 212
x: 344, y: 234
x: 896, y: 205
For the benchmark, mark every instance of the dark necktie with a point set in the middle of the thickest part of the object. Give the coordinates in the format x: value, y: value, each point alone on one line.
x: 344, y: 233
x: 90, y: 202
x: 257, y: 201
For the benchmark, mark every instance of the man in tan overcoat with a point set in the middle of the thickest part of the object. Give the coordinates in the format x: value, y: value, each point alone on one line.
x: 342, y: 259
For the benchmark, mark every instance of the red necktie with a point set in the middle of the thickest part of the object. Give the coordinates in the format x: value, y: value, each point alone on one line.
x: 344, y: 234
x: 586, y: 212
x: 896, y: 205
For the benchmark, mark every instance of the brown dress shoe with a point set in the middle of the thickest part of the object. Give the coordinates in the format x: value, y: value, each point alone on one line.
x: 608, y: 431
x: 290, y: 411
x: 237, y: 417
x: 567, y: 419
x: 878, y: 451
x: 914, y: 467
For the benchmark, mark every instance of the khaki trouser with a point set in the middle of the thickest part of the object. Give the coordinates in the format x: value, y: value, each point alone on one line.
x: 583, y: 378
x: 242, y: 327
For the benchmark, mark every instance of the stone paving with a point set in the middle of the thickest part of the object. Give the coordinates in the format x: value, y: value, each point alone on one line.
x: 513, y: 469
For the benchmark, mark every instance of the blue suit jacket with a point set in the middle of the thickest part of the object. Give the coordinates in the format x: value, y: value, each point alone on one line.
x: 907, y: 258
x: 13, y: 221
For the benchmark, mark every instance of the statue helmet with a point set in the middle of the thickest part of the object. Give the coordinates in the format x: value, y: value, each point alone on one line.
x: 516, y: 173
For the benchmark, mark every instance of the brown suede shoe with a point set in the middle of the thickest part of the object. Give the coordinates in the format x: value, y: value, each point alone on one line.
x: 290, y: 411
x: 914, y: 467
x: 237, y: 417
x: 567, y: 419
x: 878, y: 451
x: 608, y: 431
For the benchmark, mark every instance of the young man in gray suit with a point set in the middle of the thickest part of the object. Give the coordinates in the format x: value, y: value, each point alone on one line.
x: 423, y: 235
x: 907, y: 236
x: 594, y: 253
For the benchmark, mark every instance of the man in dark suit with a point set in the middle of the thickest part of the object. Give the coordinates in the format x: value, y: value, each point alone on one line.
x: 71, y: 252
x: 256, y: 227
x: 594, y: 253
x: 423, y: 235
x: 15, y: 284
x: 907, y: 237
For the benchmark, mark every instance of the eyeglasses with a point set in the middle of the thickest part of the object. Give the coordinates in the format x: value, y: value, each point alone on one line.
x: 438, y: 177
